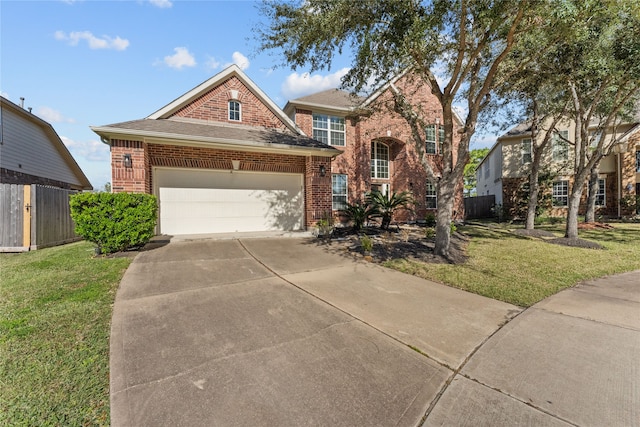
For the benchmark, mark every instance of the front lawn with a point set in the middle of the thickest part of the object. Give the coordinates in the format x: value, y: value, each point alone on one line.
x: 523, y: 270
x: 55, y: 313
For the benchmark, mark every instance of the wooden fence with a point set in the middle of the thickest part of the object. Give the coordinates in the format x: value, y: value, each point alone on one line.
x: 479, y: 207
x: 34, y: 216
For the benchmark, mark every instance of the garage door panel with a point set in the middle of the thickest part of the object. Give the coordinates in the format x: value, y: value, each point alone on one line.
x: 268, y: 201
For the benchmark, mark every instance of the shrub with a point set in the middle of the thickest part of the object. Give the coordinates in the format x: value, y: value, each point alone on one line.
x: 430, y: 219
x: 325, y: 225
x: 453, y: 228
x: 387, y: 205
x: 367, y: 243
x: 429, y: 232
x: 359, y: 213
x: 114, y: 222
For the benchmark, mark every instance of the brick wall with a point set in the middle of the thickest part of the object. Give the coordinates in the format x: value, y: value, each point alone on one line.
x: 8, y: 176
x: 213, y: 106
x: 135, y: 179
x: 318, y: 195
x: 406, y: 171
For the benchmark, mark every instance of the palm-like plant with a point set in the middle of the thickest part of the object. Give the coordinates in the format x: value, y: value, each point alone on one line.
x: 359, y: 213
x: 386, y: 205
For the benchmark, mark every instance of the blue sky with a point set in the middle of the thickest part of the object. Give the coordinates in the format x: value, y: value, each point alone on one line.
x: 80, y: 63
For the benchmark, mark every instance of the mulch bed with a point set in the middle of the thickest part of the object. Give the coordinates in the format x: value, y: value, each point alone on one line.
x: 406, y: 241
x: 576, y: 243
x: 549, y: 237
x: 533, y: 233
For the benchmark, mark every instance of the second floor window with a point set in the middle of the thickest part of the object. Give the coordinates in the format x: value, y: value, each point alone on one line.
x: 379, y: 160
x: 328, y: 129
x: 560, y: 146
x: 235, y: 113
x: 430, y: 143
x: 637, y: 160
x: 526, y: 151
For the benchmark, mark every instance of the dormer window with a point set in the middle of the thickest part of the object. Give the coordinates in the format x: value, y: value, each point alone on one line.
x: 235, y: 111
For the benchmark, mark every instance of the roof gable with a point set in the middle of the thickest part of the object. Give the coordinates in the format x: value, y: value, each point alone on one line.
x: 331, y: 99
x: 209, y: 102
x: 23, y: 132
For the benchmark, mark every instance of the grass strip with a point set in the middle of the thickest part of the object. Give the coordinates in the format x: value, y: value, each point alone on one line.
x: 55, y: 314
x: 523, y: 270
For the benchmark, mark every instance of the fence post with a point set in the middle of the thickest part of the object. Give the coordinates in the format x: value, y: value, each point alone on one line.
x: 26, y: 217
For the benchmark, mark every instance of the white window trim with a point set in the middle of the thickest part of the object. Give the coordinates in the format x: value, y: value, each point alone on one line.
x: 329, y: 130
x: 524, y: 152
x: 345, y: 195
x: 603, y: 195
x: 554, y: 196
x: 560, y: 146
x: 433, y: 196
x: 375, y: 173
x: 229, y: 111
x: 433, y: 129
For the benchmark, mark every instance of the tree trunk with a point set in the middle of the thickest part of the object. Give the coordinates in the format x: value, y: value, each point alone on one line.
x: 590, y: 214
x: 532, y: 204
x: 574, y: 205
x: 446, y: 198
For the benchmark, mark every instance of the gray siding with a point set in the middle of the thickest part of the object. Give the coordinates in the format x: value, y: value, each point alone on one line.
x: 28, y: 149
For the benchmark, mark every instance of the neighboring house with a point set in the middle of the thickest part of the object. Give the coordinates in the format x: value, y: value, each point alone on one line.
x: 224, y: 158
x: 378, y: 152
x: 37, y: 175
x: 506, y: 168
x: 31, y: 152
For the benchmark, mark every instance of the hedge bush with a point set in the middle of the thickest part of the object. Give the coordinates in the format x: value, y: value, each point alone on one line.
x: 114, y: 222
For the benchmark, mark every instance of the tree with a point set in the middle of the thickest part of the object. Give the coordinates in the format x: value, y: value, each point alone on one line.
x: 587, y: 71
x: 602, y: 69
x: 470, y: 180
x: 466, y: 39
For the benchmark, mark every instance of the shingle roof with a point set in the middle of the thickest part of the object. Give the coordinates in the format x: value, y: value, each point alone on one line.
x: 330, y: 98
x: 212, y: 132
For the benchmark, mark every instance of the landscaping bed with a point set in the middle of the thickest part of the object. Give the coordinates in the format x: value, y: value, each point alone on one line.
x: 400, y: 241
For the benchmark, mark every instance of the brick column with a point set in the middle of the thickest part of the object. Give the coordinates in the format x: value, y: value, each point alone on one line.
x: 317, y: 189
x: 134, y: 179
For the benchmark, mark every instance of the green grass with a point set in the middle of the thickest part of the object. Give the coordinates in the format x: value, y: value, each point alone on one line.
x: 55, y: 313
x: 522, y: 271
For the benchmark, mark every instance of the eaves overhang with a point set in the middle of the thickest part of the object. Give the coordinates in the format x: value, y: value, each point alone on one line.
x: 107, y: 133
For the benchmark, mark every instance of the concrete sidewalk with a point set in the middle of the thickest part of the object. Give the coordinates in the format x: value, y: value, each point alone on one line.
x: 281, y: 331
x: 572, y: 359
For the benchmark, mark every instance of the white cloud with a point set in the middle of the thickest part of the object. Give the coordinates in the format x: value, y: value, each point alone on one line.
x: 162, y: 4
x: 240, y: 60
x: 297, y: 85
x: 212, y: 63
x: 181, y: 58
x: 93, y: 151
x: 106, y: 42
x: 52, y: 116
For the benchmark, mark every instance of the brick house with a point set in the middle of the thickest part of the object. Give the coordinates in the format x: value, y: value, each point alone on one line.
x: 503, y: 171
x: 224, y: 158
x: 376, y: 143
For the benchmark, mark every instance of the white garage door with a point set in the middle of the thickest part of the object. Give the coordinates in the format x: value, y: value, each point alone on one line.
x: 206, y: 201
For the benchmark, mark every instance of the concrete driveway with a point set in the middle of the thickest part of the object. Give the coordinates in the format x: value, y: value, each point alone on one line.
x: 281, y: 332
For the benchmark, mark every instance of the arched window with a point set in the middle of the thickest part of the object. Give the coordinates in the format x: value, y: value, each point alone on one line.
x: 379, y: 160
x: 235, y: 111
